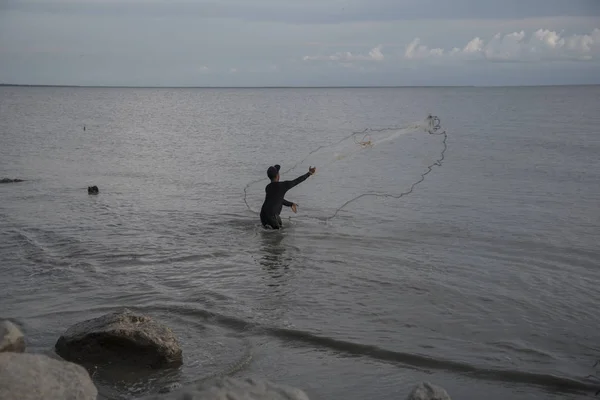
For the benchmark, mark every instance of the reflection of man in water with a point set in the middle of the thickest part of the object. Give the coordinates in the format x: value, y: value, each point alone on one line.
x: 274, y: 256
x: 274, y: 201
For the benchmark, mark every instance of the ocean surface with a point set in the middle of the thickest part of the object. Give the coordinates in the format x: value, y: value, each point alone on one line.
x: 484, y: 279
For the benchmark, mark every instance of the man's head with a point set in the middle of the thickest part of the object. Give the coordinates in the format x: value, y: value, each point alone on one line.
x: 273, y: 173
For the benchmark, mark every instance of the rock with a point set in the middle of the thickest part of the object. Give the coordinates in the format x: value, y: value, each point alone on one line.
x: 11, y: 338
x: 37, y: 377
x: 121, y: 338
x: 93, y: 190
x: 238, y: 389
x: 428, y: 391
x: 7, y: 180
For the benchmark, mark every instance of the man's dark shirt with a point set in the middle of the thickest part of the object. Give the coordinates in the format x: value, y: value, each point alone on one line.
x: 275, y: 191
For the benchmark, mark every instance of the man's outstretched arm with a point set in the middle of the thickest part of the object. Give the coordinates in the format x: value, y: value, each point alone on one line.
x: 300, y: 179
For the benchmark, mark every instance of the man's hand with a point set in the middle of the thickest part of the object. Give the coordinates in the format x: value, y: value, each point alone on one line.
x: 294, y: 207
x: 312, y: 170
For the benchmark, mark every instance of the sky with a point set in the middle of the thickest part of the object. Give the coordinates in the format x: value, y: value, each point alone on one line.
x: 299, y: 42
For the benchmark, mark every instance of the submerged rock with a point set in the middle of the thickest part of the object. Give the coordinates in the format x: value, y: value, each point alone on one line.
x: 121, y: 338
x: 229, y: 388
x: 8, y: 180
x: 11, y: 338
x: 428, y: 391
x: 37, y: 377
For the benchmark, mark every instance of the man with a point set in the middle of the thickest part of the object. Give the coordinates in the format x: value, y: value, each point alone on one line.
x: 275, y: 191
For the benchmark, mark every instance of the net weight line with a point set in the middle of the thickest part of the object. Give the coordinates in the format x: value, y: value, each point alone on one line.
x: 434, y: 125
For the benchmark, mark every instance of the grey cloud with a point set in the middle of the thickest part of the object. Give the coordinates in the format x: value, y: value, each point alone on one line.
x: 93, y: 42
x: 318, y: 12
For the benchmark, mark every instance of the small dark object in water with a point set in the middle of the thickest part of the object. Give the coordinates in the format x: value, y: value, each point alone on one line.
x: 8, y: 180
x: 93, y: 190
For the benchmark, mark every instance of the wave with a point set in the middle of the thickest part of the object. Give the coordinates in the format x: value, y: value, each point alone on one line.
x: 353, y: 349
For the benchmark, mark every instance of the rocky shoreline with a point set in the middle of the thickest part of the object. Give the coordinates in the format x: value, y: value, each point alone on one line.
x: 130, y: 340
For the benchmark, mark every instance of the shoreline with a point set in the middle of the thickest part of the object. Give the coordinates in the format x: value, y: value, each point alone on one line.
x: 55, y: 377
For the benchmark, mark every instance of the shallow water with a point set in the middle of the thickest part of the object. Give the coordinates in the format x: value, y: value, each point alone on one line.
x: 484, y: 279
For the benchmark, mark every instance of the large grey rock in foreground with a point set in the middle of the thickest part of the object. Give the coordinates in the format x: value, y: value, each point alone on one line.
x: 11, y: 338
x: 121, y: 338
x: 428, y: 391
x: 234, y: 389
x: 37, y: 377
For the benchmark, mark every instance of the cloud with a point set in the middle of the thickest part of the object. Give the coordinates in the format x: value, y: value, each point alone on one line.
x: 314, y: 11
x: 415, y: 51
x: 374, y: 55
x: 348, y: 42
x: 541, y: 45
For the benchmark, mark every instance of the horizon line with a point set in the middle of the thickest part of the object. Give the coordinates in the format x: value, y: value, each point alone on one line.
x: 288, y: 87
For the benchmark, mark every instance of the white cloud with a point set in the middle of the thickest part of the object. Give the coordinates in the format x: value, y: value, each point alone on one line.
x: 505, y: 48
x: 374, y: 55
x: 541, y: 45
x: 474, y: 46
x: 203, y: 69
x: 416, y: 51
